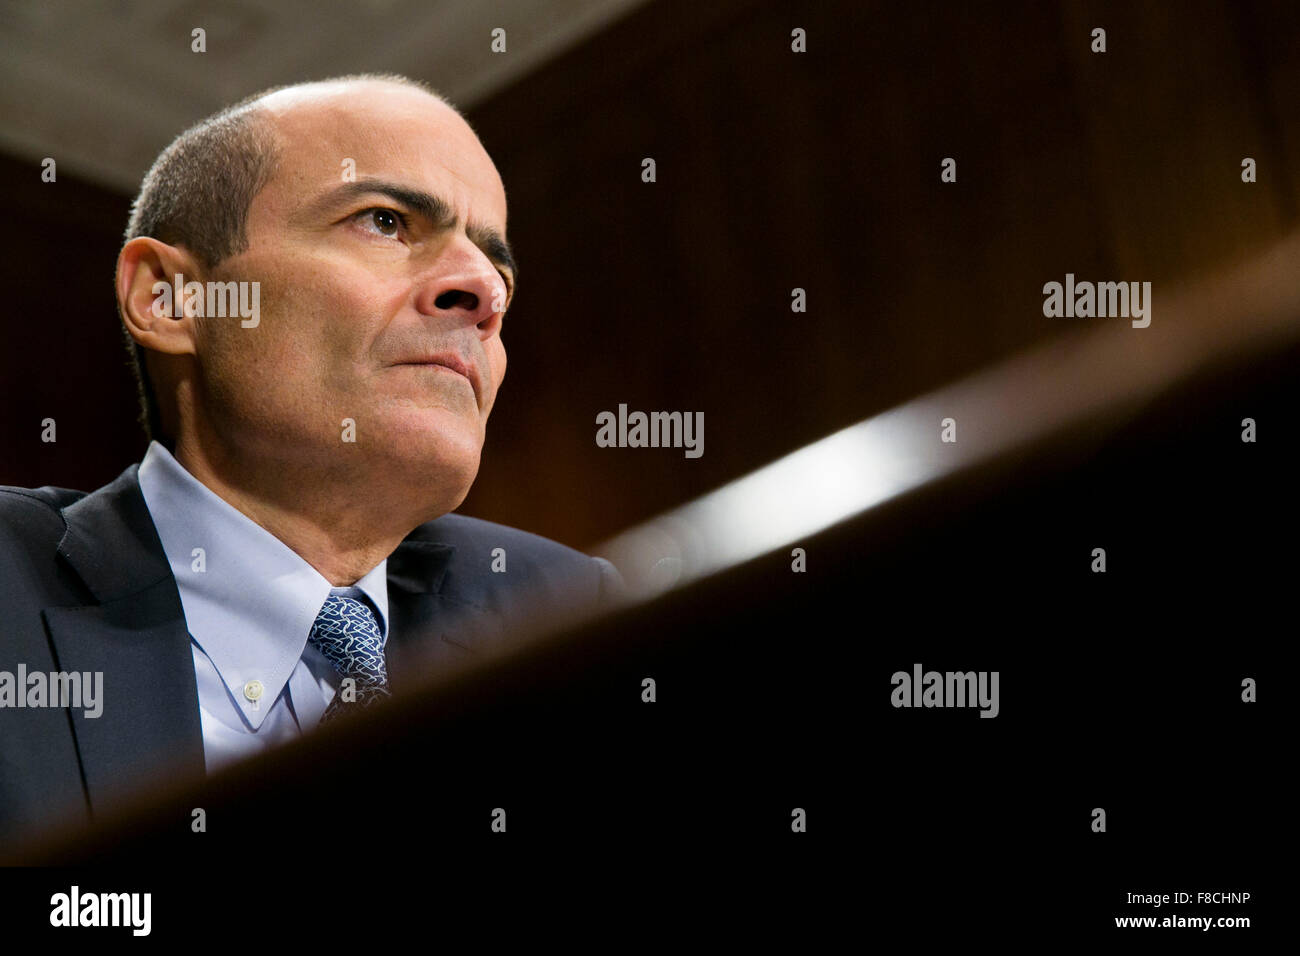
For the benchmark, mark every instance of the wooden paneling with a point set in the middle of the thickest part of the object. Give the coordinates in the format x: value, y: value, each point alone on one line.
x: 775, y: 170
x: 821, y: 171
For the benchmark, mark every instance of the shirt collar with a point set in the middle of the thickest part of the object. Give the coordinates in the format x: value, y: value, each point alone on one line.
x: 249, y: 599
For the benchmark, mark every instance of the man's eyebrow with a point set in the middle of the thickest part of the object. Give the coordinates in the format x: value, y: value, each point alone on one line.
x: 436, y: 210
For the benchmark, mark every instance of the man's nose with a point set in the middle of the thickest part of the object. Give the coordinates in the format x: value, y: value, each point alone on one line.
x: 466, y: 287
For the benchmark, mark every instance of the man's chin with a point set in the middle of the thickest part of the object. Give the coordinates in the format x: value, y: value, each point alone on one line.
x: 438, y: 448
x: 423, y: 429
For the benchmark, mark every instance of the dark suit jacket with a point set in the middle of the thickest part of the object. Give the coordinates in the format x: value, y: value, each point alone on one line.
x: 87, y: 587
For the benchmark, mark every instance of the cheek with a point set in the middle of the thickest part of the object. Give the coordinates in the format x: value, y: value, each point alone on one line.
x: 309, y: 351
x: 323, y: 328
x: 496, y: 356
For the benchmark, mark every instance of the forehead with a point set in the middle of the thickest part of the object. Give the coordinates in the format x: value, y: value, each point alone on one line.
x: 388, y: 132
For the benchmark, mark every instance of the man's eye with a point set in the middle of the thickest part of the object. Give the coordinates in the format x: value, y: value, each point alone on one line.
x: 388, y: 222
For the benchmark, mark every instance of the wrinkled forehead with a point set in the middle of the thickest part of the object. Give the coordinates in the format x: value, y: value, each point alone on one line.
x: 335, y: 133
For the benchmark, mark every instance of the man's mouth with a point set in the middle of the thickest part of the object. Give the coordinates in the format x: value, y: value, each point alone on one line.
x: 451, y: 362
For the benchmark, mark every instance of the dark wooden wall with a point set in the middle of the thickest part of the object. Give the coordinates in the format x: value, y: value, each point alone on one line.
x: 775, y: 170
x: 62, y: 356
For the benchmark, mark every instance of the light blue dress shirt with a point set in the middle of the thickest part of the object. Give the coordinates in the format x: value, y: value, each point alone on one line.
x: 250, y: 602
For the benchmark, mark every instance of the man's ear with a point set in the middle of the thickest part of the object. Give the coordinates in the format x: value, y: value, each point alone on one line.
x: 152, y: 314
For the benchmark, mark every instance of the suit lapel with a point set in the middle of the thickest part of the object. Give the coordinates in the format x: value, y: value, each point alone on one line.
x: 134, y: 633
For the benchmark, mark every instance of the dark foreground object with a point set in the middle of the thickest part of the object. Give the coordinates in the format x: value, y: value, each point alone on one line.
x: 1119, y: 690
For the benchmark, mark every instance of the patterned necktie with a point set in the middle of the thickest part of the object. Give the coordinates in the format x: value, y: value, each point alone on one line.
x: 347, y: 633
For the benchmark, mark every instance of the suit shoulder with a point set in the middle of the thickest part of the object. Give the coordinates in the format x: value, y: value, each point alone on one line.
x: 542, y: 566
x: 476, y: 533
x: 35, y: 509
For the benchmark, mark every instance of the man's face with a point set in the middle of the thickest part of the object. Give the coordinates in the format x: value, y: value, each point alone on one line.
x: 361, y: 292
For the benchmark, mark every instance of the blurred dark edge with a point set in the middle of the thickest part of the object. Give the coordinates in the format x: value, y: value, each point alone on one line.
x: 495, y: 706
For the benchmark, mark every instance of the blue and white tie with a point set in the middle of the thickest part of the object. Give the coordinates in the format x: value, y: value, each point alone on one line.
x: 348, y: 634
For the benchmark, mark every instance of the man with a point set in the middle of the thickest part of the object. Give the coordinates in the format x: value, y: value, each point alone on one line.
x: 284, y: 554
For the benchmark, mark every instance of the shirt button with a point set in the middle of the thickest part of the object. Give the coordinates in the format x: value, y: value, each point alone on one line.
x: 253, y: 690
